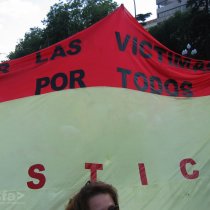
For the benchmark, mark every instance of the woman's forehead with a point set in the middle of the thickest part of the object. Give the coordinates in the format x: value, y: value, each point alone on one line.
x: 100, y: 202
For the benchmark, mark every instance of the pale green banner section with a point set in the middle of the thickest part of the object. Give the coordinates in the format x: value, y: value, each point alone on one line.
x: 117, y: 128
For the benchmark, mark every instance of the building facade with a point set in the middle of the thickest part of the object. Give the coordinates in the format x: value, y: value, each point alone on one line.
x: 167, y: 8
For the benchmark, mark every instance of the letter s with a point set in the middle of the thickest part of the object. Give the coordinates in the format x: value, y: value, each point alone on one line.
x: 32, y: 173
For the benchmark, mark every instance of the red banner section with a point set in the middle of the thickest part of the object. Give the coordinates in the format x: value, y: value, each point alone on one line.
x: 115, y: 52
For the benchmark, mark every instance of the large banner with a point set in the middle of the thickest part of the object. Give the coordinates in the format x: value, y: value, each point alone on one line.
x: 112, y: 104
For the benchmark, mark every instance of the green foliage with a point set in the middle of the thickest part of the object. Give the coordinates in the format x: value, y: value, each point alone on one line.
x: 184, y: 28
x: 63, y: 20
x: 32, y: 41
x: 95, y: 10
x: 199, y: 5
x: 142, y: 17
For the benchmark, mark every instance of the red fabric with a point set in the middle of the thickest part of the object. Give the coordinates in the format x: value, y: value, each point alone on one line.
x: 94, y: 167
x: 115, y: 52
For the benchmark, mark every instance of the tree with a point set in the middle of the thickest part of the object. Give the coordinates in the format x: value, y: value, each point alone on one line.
x: 173, y: 32
x: 142, y: 17
x: 197, y: 5
x: 32, y: 41
x: 185, y: 28
x: 63, y: 20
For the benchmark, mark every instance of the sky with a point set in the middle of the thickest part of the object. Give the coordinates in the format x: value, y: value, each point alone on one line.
x: 18, y: 16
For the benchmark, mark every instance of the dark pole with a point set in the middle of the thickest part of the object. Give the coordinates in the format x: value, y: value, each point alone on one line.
x: 134, y: 2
